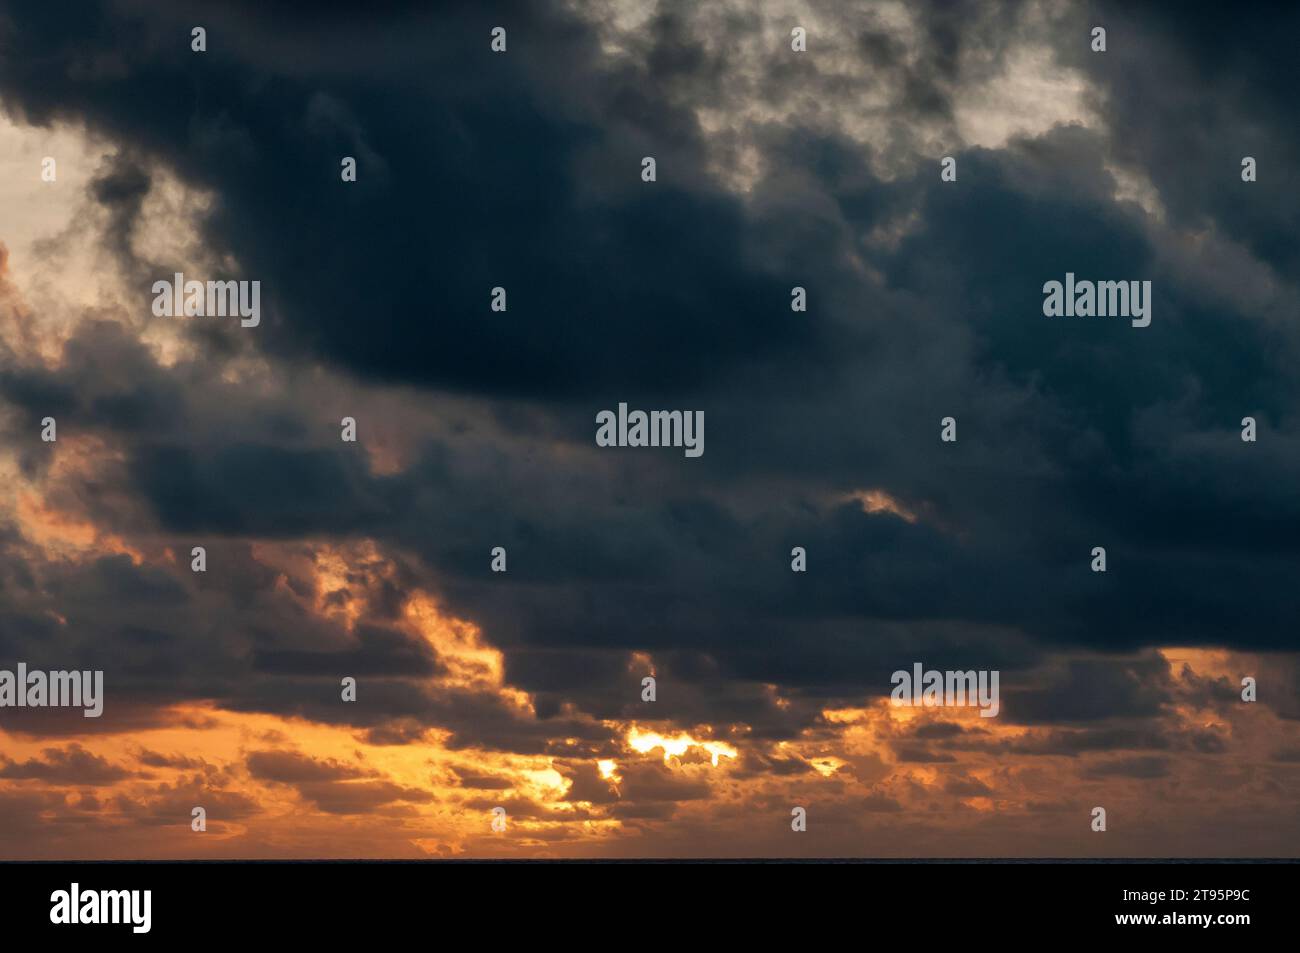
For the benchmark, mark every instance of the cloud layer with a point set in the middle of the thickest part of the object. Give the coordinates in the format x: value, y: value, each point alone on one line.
x: 776, y: 169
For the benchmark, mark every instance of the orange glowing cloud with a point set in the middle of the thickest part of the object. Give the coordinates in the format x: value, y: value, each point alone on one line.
x: 674, y: 746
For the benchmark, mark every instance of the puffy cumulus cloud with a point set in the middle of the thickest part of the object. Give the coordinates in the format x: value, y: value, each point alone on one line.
x: 523, y: 690
x: 62, y: 766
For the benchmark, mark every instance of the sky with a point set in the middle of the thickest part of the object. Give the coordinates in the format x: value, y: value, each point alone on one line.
x: 371, y: 560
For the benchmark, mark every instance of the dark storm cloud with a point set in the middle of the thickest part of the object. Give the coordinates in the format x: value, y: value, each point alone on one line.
x: 914, y: 754
x: 255, y: 489
x: 1084, y: 690
x: 362, y: 797
x: 880, y: 803
x: 522, y: 171
x: 650, y: 781
x: 332, y: 786
x: 1074, y: 743
x: 73, y: 765
x: 1189, y: 92
x: 108, y: 381
x: 587, y: 784
x: 291, y: 767
x: 21, y: 812
x: 1139, y: 767
x: 120, y: 188
x: 753, y: 764
x: 378, y: 651
x: 487, y: 782
x: 155, y: 759
x: 423, y: 243
x: 967, y: 787
x: 170, y: 805
x: 118, y: 577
